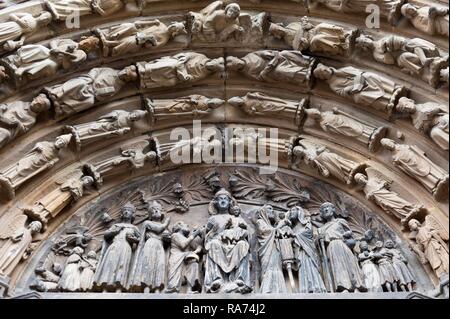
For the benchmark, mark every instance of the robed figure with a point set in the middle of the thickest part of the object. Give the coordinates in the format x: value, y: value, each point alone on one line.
x: 227, y: 266
x: 115, y: 259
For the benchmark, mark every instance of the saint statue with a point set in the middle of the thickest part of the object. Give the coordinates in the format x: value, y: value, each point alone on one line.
x: 405, y: 278
x: 71, y: 275
x: 428, y: 19
x: 117, y: 250
x: 372, y: 279
x: 88, y: 267
x: 384, y: 260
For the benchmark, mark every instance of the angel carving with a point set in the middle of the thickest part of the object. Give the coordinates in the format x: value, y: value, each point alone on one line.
x: 77, y: 236
x: 18, y: 242
x: 376, y: 186
x: 431, y: 243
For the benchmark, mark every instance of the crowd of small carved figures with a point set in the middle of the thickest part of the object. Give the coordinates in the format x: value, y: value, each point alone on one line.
x: 317, y: 254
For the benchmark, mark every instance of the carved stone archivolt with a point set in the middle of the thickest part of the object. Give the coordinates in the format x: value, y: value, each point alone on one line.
x: 92, y: 201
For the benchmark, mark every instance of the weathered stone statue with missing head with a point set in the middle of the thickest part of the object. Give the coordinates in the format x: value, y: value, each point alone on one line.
x: 18, y: 117
x: 412, y: 161
x: 429, y: 118
x: 41, y: 157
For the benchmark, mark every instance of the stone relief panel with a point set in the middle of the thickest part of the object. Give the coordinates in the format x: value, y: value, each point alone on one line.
x: 221, y: 231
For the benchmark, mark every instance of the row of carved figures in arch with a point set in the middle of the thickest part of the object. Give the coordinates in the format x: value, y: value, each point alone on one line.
x: 34, y: 218
x: 217, y: 257
x: 416, y: 57
x: 430, y: 18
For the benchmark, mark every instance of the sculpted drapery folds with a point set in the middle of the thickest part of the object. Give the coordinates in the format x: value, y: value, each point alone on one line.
x: 343, y: 264
x: 430, y: 242
x: 274, y: 66
x: 432, y: 19
x: 182, y: 68
x: 41, y: 157
x: 116, y: 254
x: 338, y: 122
x: 17, y: 238
x: 308, y: 260
x: 18, y: 117
x: 364, y: 88
x: 429, y: 118
x: 227, y: 266
x: 412, y: 161
x: 326, y: 162
x: 63, y: 9
x: 132, y: 37
x: 369, y: 270
x: 149, y: 266
x: 34, y: 61
x: 324, y: 38
x: 416, y: 57
x: 384, y: 260
x: 14, y: 32
x: 71, y: 188
x: 115, y: 123
x: 405, y: 278
x: 377, y: 188
x: 82, y: 92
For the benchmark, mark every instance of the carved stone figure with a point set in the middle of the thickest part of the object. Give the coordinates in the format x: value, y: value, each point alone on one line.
x: 64, y: 9
x: 256, y: 103
x: 416, y: 57
x: 18, y: 117
x: 412, y: 161
x: 387, y: 9
x: 429, y: 19
x: 70, y: 188
x: 274, y: 66
x: 431, y: 244
x: 272, y: 279
x: 227, y: 265
x: 168, y: 71
x: 323, y: 38
x: 14, y: 32
x: 308, y: 261
x: 82, y: 92
x: 372, y: 280
x: 365, y: 88
x: 88, y: 265
x: 132, y: 37
x: 182, y: 259
x: 343, y: 265
x: 17, y: 244
x: 430, y: 118
x: 220, y: 22
x: 384, y: 259
x: 326, y: 162
x: 133, y: 156
x: 115, y: 258
x: 149, y: 267
x: 341, y: 123
x: 35, y: 61
x: 377, y: 189
x: 403, y: 274
x: 48, y: 279
x: 115, y: 123
x: 71, y: 275
x: 195, y: 105
x: 77, y: 236
x: 41, y: 157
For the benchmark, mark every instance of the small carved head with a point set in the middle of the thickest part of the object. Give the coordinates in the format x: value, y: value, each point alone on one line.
x: 413, y: 224
x: 92, y: 255
x: 277, y: 30
x: 89, y: 44
x: 177, y: 28
x: 388, y: 144
x: 182, y: 227
x: 214, y: 103
x: 78, y: 250
x: 409, y: 11
x: 323, y: 72
x: 44, y: 18
x: 222, y: 200
x: 314, y: 114
x: 299, y: 151
x: 40, y: 104
x: 363, y: 246
x: 389, y: 244
x: 327, y: 211
x: 128, y: 211
x: 361, y: 179
x: 236, y: 211
x: 364, y: 42
x: 236, y: 101
x: 270, y: 213
x: 128, y: 74
x: 406, y: 105
x: 155, y: 210
x: 369, y: 235
x: 57, y: 268
x: 137, y: 115
x: 35, y: 227
x: 178, y: 189
x: 233, y: 10
x: 379, y: 244
x: 63, y: 141
x: 87, y: 181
